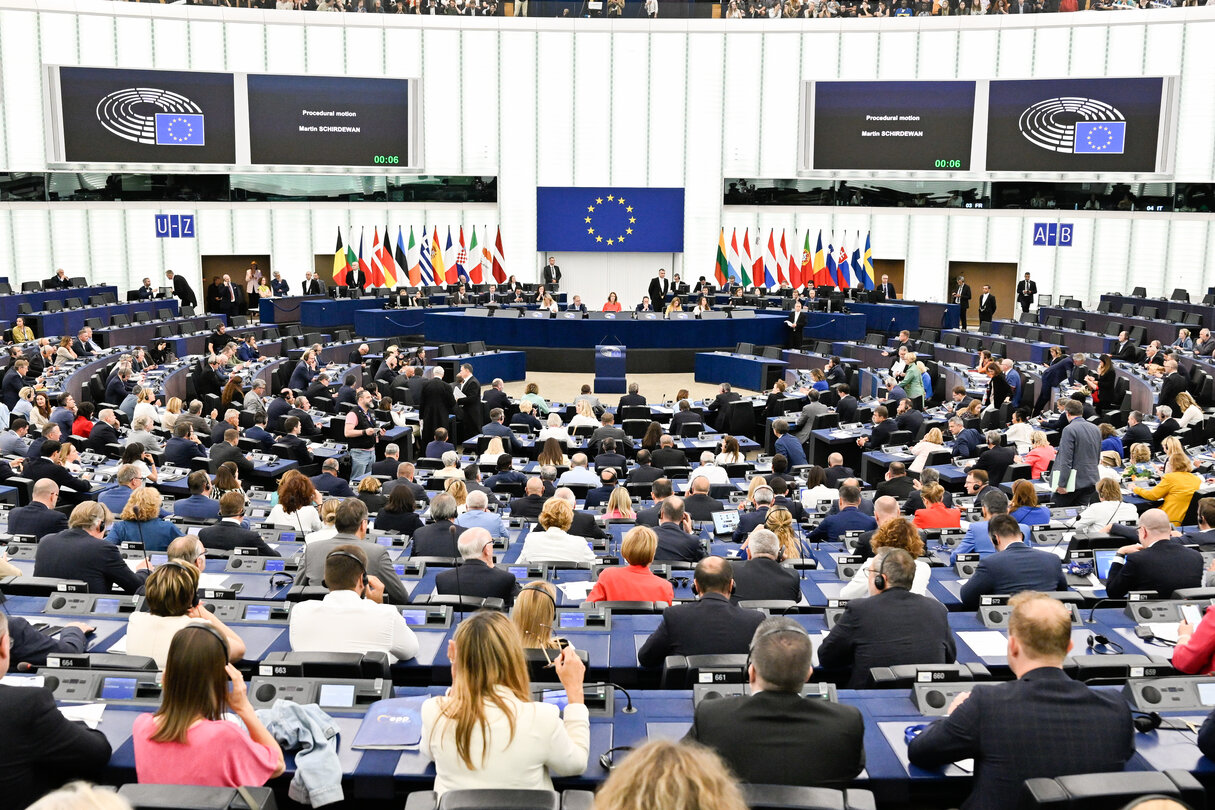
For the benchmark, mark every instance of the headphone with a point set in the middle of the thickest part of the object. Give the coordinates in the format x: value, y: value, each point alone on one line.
x: 793, y: 627
x: 911, y: 732
x: 223, y: 642
x: 1146, y: 722
x: 181, y: 564
x: 1096, y: 640
x: 1080, y: 569
x: 362, y: 567
x: 606, y: 761
x: 879, y: 579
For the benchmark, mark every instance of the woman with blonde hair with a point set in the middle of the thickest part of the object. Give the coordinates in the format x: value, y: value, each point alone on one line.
x: 25, y: 403
x: 1040, y: 456
x: 328, y: 513
x: 1175, y: 489
x: 171, y: 598
x: 933, y: 442
x: 584, y: 415
x: 756, y: 482
x: 553, y: 429
x: 526, y: 417
x: 486, y: 731
x: 634, y: 582
x: 1139, y: 464
x: 141, y: 522
x: 1172, y: 446
x: 620, y: 505
x: 81, y: 796
x: 552, y: 541
x: 1190, y: 414
x: 897, y: 533
x: 533, y: 615
x: 675, y: 306
x: 672, y: 776
x: 1108, y: 510
x: 168, y: 419
x: 458, y: 490
x: 369, y: 493
x: 779, y: 521
x: 492, y: 450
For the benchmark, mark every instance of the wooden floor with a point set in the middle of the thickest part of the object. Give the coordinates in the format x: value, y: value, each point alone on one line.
x: 654, y: 387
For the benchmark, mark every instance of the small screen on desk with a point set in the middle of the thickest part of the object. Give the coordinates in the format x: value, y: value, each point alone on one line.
x: 1206, y: 694
x: 399, y: 568
x: 572, y: 620
x: 275, y: 565
x: 1104, y: 558
x: 257, y: 613
x: 286, y: 537
x: 384, y: 541
x: 519, y: 571
x: 414, y: 617
x: 337, y: 694
x: 159, y: 559
x: 118, y: 688
x: 105, y: 606
x: 555, y: 697
x: 194, y: 530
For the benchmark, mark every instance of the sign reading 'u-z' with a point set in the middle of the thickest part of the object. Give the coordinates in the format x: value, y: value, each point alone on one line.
x: 175, y: 226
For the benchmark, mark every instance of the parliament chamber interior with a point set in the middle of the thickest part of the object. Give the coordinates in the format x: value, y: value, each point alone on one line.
x: 815, y: 415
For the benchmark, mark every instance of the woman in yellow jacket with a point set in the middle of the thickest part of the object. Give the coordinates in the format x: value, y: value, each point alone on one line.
x: 21, y: 332
x: 1175, y: 489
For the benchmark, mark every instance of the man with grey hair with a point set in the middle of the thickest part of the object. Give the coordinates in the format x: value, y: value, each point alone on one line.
x: 709, y: 470
x: 1074, y: 473
x: 194, y: 418
x: 966, y: 441
x: 578, y: 473
x: 130, y: 478
x: 1173, y: 383
x: 762, y: 497
x: 255, y: 400
x: 756, y: 734
x: 762, y: 576
x: 1167, y: 427
x: 350, y: 520
x: 1158, y: 562
x: 330, y: 483
x: 996, y: 459
x: 477, y: 516
x: 188, y: 550
x: 632, y: 398
x: 438, y: 538
x: 392, y: 458
x: 437, y: 404
x: 495, y: 397
x: 476, y: 575
x: 141, y: 431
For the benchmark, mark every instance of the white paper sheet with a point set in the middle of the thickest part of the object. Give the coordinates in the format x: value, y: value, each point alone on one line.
x: 119, y: 645
x: 87, y: 713
x: 22, y: 680
x: 1165, y: 631
x: 985, y: 643
x: 576, y: 591
x: 212, y: 580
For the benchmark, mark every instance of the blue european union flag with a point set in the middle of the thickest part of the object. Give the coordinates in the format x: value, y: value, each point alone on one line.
x: 1100, y: 137
x: 179, y: 129
x: 607, y: 219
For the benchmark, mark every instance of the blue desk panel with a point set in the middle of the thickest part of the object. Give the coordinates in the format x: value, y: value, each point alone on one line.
x: 37, y: 300
x: 387, y: 323
x: 743, y: 371
x: 326, y: 312
x: 284, y: 310
x: 507, y: 366
x: 887, y: 317
x: 456, y: 327
x: 833, y: 326
x: 70, y: 321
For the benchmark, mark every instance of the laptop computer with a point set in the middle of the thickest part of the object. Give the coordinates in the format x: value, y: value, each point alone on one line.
x: 725, y: 522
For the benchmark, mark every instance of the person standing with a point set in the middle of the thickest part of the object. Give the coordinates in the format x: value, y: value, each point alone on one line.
x: 1027, y: 291
x: 961, y: 297
x: 1079, y: 455
x: 794, y: 326
x: 550, y: 276
x: 470, y: 403
x: 887, y: 289
x: 438, y: 403
x: 181, y: 289
x: 253, y: 282
x: 361, y: 431
x: 987, y: 308
x: 659, y: 286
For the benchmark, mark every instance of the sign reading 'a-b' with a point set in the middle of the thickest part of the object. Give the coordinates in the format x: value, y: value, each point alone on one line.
x: 1053, y: 234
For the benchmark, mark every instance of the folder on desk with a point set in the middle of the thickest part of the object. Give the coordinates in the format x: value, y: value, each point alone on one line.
x: 393, y: 724
x: 1070, y: 486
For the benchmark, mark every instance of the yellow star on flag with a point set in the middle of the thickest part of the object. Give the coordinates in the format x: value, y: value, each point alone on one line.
x: 619, y: 238
x: 628, y: 208
x: 590, y: 230
x: 621, y: 200
x: 609, y: 241
x: 610, y: 198
x: 588, y: 219
x: 632, y: 220
x: 591, y: 208
x: 598, y: 238
x: 628, y: 230
x: 598, y: 200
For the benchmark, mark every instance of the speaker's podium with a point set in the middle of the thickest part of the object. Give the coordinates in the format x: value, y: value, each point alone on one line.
x: 609, y: 369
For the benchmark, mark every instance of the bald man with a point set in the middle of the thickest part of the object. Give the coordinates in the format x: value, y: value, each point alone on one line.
x: 1158, y: 562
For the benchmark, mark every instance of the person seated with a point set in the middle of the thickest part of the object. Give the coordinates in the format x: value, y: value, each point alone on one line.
x: 710, y: 626
x: 620, y: 506
x: 451, y: 466
x: 760, y: 734
x: 1015, y: 566
x: 40, y: 517
x: 81, y: 552
x: 849, y: 518
x: 476, y: 575
x: 698, y: 504
x: 609, y: 456
x: 893, y: 531
x: 200, y: 505
x: 787, y: 444
x: 762, y: 577
x: 995, y: 460
x: 634, y: 582
x: 487, y: 732
x: 171, y: 596
x: 532, y: 502
x: 676, y: 542
x: 1158, y: 562
x: 189, y: 740
x: 352, y: 617
x: 534, y: 614
x: 935, y: 515
x: 897, y: 484
x: 1024, y: 506
x: 993, y: 721
x: 602, y: 493
x: 438, y: 538
x: 526, y: 417
x: 977, y: 540
x: 553, y: 542
x: 893, y: 626
x: 1109, y: 510
x: 297, y: 504
x: 350, y: 520
x: 1176, y: 488
x: 229, y: 532
x: 141, y: 521
x: 439, y: 446
x: 330, y: 483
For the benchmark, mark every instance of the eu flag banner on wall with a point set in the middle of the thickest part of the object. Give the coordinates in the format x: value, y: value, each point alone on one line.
x: 609, y: 219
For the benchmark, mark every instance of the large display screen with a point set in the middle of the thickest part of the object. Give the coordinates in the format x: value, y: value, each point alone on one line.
x: 146, y: 116
x: 904, y: 126
x: 328, y: 121
x: 1074, y: 125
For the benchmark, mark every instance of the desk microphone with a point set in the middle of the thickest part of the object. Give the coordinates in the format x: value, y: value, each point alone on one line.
x: 1100, y: 602
x: 629, y: 708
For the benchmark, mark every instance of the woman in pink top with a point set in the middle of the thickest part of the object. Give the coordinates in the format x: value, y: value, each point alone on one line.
x: 1040, y: 456
x: 634, y: 582
x: 187, y: 741
x: 613, y: 303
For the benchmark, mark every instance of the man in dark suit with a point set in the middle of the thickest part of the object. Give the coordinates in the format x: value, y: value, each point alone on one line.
x: 313, y: 285
x: 179, y: 449
x: 330, y: 483
x: 1204, y: 538
x: 676, y: 543
x: 200, y: 505
x: 987, y: 306
x: 667, y: 455
x: 118, y: 387
x: 781, y: 498
x: 40, y: 748
x: 599, y: 495
x: 660, y: 490
x: 207, y: 382
x: 470, y: 404
x: 698, y: 504
x: 1044, y: 724
x: 760, y: 734
x: 749, y: 521
x: 80, y: 552
x: 1174, y: 383
x: 887, y: 289
x: 228, y: 533
x: 145, y: 291
x: 898, y: 484
x: 1136, y: 433
x: 1027, y: 291
x: 1205, y: 345
x: 762, y: 576
x: 495, y: 427
x: 795, y: 326
x: 1167, y: 427
x: 883, y: 426
x: 632, y: 398
x: 684, y: 415
x: 44, y: 466
x: 350, y: 520
x: 961, y: 297
x: 710, y: 626
x: 476, y: 575
x: 835, y: 471
x: 495, y: 397
x: 1060, y: 368
x: 438, y: 403
x: 356, y: 279
x: 182, y: 290
x: 438, y: 538
x: 966, y: 441
x: 1157, y: 563
x: 645, y: 472
x: 892, y: 626
x: 405, y: 478
x: 1015, y: 567
x: 1124, y: 350
x: 845, y: 404
x: 723, y: 398
x: 228, y: 451
x: 550, y: 275
x: 997, y: 458
x: 40, y: 518
x: 608, y: 456
x: 658, y: 290
x: 849, y: 518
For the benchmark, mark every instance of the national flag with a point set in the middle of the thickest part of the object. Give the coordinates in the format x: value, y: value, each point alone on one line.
x: 770, y: 262
x: 721, y: 272
x: 387, y: 263
x: 831, y: 265
x: 436, y: 257
x: 757, y: 266
x: 413, y: 261
x: 782, y: 260
x: 806, y: 270
x: 856, y: 264
x: 499, y: 258
x: 401, y: 256
x: 474, y: 258
x: 744, y: 267
x: 340, y: 265
x: 352, y: 261
x: 841, y: 266
x: 487, y: 257
x: 821, y: 277
x: 452, y: 274
x: 425, y: 267
x: 376, y: 277
x: 461, y: 258
x: 363, y: 264
x: 732, y: 256
x: 866, y: 271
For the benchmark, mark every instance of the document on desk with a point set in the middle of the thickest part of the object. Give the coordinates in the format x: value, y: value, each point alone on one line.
x: 576, y: 591
x: 119, y: 645
x: 87, y: 713
x: 212, y: 580
x: 1165, y: 631
x: 840, y: 434
x: 985, y: 643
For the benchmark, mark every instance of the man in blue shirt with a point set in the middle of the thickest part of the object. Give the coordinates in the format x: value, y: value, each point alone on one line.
x: 477, y: 516
x: 849, y: 518
x: 788, y: 445
x: 64, y: 414
x: 966, y: 441
x: 200, y: 505
x: 259, y: 434
x: 977, y: 540
x: 504, y: 474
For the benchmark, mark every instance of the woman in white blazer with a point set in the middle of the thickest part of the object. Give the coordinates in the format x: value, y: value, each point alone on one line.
x: 487, y: 732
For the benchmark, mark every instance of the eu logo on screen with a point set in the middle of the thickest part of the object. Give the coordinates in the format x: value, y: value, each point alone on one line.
x: 179, y: 129
x: 1100, y: 137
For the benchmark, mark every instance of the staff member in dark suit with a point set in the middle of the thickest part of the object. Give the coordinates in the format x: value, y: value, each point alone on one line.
x: 795, y: 324
x: 887, y: 289
x: 1027, y: 292
x: 550, y: 276
x: 723, y: 398
x: 1156, y: 563
x: 495, y: 397
x: 181, y: 289
x: 1015, y: 567
x: 438, y: 403
x: 762, y: 576
x: 470, y: 403
x: 356, y: 279
x: 476, y: 576
x: 709, y: 626
x: 892, y: 626
x: 1044, y: 724
x: 313, y: 284
x: 675, y: 541
x: 659, y: 286
x: 996, y: 459
x: 987, y: 307
x: 82, y: 553
x: 759, y: 735
x: 961, y: 297
x: 40, y: 748
x: 1174, y: 383
x: 228, y: 533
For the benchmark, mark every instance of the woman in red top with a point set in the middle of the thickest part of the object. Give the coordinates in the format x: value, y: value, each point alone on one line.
x: 1195, y: 650
x: 613, y: 303
x: 83, y: 424
x: 635, y: 582
x: 935, y: 515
